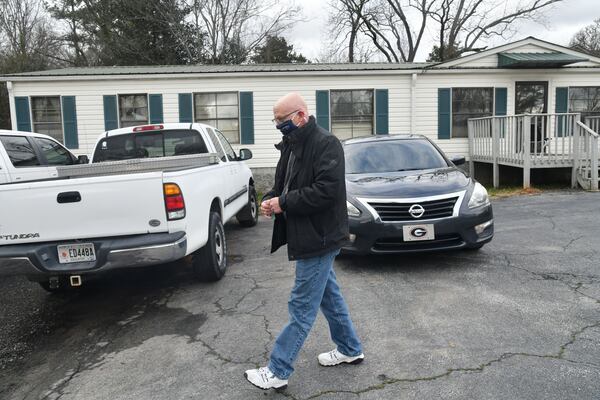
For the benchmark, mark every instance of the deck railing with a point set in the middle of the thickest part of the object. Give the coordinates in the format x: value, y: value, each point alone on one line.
x: 585, y: 167
x: 593, y: 123
x: 526, y: 141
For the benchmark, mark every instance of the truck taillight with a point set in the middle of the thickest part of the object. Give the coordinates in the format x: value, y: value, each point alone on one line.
x: 174, y: 203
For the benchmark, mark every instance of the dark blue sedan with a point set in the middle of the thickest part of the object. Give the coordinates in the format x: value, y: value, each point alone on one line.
x: 405, y: 195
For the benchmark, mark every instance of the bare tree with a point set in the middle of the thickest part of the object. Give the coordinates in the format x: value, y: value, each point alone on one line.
x: 345, y: 25
x: 463, y: 24
x: 396, y: 27
x: 27, y: 40
x: 234, y: 28
x: 588, y: 39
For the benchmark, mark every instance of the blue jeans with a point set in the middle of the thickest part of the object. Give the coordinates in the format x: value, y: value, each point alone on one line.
x: 315, y: 287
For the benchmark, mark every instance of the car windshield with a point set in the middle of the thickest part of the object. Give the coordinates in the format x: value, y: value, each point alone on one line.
x: 392, y: 156
x: 149, y: 144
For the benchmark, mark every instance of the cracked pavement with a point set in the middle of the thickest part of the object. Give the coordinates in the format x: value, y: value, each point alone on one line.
x: 519, y: 319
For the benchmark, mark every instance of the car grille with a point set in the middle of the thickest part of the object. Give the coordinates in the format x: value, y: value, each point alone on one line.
x: 398, y: 212
x: 398, y: 244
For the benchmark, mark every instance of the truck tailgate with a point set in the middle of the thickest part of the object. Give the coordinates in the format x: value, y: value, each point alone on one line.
x: 107, y: 206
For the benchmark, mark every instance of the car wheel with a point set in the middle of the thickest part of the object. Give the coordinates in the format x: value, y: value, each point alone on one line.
x: 248, y: 216
x: 209, y: 263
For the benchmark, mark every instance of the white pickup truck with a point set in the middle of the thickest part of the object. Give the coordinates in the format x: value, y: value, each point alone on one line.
x: 152, y: 194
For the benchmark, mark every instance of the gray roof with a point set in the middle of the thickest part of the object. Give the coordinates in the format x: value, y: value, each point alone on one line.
x: 214, y: 69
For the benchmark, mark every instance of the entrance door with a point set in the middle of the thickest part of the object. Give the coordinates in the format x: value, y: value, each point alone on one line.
x: 532, y: 98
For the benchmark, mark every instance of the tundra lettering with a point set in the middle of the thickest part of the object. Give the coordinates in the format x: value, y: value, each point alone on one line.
x: 20, y: 236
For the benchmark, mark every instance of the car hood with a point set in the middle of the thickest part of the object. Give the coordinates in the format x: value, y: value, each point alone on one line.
x: 407, y: 183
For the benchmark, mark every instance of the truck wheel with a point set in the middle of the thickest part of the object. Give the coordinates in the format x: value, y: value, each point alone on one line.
x: 248, y: 216
x: 209, y: 263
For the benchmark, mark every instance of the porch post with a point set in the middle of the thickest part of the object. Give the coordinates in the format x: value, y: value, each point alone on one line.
x: 527, y: 152
x: 470, y: 134
x: 576, y: 129
x: 495, y: 151
x: 594, y: 163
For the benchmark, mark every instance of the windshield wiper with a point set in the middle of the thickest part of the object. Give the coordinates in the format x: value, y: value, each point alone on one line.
x: 408, y: 169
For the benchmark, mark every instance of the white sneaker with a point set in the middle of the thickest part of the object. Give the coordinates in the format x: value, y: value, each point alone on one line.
x: 334, y: 357
x: 265, y: 379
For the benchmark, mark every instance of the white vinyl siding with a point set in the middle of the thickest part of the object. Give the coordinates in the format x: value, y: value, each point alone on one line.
x: 268, y: 89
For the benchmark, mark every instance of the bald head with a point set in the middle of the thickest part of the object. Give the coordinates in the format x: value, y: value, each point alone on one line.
x: 287, y: 105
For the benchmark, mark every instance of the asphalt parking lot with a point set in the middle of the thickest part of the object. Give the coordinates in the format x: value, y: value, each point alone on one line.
x: 519, y: 319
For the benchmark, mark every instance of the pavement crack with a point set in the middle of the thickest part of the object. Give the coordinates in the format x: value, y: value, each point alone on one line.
x: 477, y: 369
x: 559, y: 277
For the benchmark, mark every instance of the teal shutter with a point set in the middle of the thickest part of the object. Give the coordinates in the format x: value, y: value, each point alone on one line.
x: 444, y: 113
x: 111, y: 116
x: 323, y: 108
x: 500, y: 107
x: 69, y: 114
x: 500, y: 101
x: 23, y: 115
x: 562, y: 106
x: 246, y: 118
x: 381, y: 112
x: 156, y: 108
x: 186, y: 112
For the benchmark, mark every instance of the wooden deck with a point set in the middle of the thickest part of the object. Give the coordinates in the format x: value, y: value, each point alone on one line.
x: 532, y: 141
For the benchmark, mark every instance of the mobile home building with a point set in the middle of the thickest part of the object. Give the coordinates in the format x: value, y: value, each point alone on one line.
x: 76, y: 105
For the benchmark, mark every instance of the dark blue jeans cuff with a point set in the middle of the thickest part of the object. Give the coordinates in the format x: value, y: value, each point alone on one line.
x: 276, y: 371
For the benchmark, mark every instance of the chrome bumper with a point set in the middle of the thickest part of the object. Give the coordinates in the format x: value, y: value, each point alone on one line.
x: 41, y: 260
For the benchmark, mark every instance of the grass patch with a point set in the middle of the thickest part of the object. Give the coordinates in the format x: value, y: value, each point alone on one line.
x: 508, y: 191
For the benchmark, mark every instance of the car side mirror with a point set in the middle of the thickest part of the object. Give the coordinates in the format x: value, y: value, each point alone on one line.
x: 458, y: 160
x: 83, y: 160
x: 245, y: 154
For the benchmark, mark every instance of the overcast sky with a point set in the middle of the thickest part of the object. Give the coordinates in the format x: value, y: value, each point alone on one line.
x: 562, y: 22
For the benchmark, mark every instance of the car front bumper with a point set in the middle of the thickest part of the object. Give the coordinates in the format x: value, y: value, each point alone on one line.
x: 41, y: 259
x: 374, y: 237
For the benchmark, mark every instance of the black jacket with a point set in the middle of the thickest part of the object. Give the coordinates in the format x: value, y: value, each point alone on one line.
x: 316, y: 217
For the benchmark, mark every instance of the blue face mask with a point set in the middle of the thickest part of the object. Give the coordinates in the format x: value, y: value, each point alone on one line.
x: 286, y: 127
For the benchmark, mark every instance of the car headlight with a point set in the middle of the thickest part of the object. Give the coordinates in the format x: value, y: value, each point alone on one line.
x: 352, y: 210
x: 479, y: 197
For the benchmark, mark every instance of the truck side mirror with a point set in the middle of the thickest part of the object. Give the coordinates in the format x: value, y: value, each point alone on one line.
x: 83, y: 160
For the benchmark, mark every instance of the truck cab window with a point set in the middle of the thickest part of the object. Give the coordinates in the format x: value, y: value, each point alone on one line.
x: 217, y: 144
x: 226, y: 146
x: 154, y: 144
x: 20, y: 152
x: 55, y: 154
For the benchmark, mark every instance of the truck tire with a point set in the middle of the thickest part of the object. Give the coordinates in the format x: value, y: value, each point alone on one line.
x: 209, y: 263
x: 248, y: 216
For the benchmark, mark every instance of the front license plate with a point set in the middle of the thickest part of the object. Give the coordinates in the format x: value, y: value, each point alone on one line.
x: 413, y: 233
x: 73, y: 253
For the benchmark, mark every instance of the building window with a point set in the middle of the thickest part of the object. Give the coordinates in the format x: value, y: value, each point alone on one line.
x: 47, y: 117
x: 133, y: 110
x: 584, y: 100
x: 221, y: 111
x: 470, y: 103
x: 351, y: 113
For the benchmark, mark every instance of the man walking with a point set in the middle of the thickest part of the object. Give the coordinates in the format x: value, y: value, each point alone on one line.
x: 309, y: 204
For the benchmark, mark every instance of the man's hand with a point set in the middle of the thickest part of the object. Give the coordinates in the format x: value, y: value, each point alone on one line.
x: 275, y: 207
x: 265, y: 208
